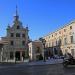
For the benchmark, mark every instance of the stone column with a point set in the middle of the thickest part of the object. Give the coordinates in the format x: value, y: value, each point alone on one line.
x: 21, y: 56
x: 14, y: 57
x: 1, y: 56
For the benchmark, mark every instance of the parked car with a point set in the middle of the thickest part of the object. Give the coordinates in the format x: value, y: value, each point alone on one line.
x: 62, y: 57
x: 56, y: 57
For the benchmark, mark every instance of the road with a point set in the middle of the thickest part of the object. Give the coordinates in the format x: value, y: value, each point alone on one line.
x: 22, y: 69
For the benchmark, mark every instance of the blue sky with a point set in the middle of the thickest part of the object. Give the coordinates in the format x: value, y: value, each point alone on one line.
x: 42, y: 16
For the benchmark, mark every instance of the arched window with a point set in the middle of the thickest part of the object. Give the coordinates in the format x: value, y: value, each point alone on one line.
x: 18, y: 27
x: 38, y: 50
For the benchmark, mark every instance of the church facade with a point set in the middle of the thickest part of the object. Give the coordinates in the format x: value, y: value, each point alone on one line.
x: 15, y: 43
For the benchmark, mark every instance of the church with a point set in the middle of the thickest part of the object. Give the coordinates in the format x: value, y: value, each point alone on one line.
x: 15, y: 43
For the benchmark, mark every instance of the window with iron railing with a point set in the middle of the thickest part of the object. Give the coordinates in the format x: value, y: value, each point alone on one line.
x: 71, y: 37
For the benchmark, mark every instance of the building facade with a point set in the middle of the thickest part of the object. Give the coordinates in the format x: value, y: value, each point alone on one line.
x: 36, y: 50
x: 62, y: 40
x: 16, y: 41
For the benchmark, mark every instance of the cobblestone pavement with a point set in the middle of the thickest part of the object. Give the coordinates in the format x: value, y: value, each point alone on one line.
x: 22, y: 69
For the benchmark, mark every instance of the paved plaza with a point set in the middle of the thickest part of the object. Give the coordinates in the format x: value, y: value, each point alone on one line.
x: 25, y: 69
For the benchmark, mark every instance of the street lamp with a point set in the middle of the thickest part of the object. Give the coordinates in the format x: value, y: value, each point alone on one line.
x: 43, y: 42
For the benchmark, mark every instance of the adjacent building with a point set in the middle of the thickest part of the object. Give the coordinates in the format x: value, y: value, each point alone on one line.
x: 15, y: 43
x: 36, y: 50
x: 62, y: 40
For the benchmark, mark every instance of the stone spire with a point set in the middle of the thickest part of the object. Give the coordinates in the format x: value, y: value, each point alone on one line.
x: 16, y: 11
x: 16, y: 16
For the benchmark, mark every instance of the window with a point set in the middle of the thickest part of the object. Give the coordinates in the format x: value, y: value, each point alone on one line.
x: 23, y: 43
x: 49, y: 36
x: 64, y: 30
x: 71, y: 39
x: 11, y: 43
x: 18, y: 27
x: 11, y: 55
x: 70, y: 27
x: 52, y: 35
x: 65, y: 41
x: 23, y: 35
x: 12, y: 35
x: 38, y: 50
x: 59, y: 42
x: 17, y: 34
x: 56, y: 43
x: 59, y: 32
x: 72, y: 52
x: 55, y: 33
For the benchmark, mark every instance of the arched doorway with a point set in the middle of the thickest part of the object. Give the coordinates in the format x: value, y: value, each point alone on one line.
x: 17, y: 55
x: 55, y: 51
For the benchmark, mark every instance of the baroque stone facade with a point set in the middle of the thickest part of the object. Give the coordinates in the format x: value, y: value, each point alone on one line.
x: 16, y: 41
x: 62, y: 40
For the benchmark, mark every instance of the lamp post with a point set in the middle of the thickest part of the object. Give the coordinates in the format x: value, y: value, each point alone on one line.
x: 43, y: 42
